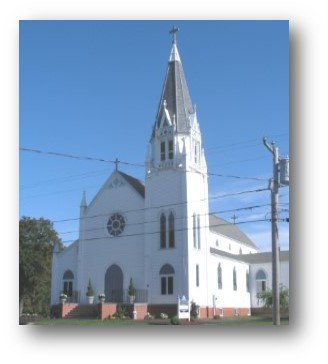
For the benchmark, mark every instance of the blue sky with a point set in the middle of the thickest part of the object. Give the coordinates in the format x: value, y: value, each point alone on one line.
x: 91, y: 88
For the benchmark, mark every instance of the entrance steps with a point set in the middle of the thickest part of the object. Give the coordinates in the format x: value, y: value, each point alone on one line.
x: 83, y: 311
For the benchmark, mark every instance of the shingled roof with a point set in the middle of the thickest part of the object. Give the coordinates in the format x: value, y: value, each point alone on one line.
x: 265, y: 257
x: 255, y: 258
x: 223, y: 227
x: 135, y: 183
x: 175, y: 94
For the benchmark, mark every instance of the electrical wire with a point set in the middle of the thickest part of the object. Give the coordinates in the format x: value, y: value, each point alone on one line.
x: 166, y: 205
x: 127, y: 163
x: 176, y: 218
x: 158, y: 232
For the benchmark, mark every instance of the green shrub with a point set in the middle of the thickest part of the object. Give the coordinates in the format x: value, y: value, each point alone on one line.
x: 175, y: 320
x: 131, y: 290
x: 119, y: 314
x: 194, y: 309
x: 148, y: 316
x: 90, y: 292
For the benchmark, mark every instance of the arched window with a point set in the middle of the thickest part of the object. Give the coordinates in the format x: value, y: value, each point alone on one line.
x: 166, y: 274
x: 163, y: 231
x: 162, y: 151
x: 219, y: 277
x: 170, y: 149
x: 198, y: 231
x: 197, y: 275
x: 194, y: 227
x: 234, y: 279
x: 261, y: 281
x: 171, y: 230
x: 68, y: 279
x: 247, y: 281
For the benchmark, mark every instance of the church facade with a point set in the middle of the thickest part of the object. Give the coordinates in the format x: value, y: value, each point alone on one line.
x: 159, y: 233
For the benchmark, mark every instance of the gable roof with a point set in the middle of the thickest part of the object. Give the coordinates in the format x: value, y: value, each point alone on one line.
x: 135, y: 183
x: 223, y: 227
x: 222, y: 253
x: 265, y: 257
x: 255, y: 258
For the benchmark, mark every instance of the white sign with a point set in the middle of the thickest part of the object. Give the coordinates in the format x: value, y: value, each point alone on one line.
x: 183, y: 308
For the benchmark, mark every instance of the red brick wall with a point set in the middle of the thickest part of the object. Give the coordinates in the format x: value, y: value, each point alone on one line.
x: 106, y: 310
x: 170, y: 309
x: 66, y: 308
x: 142, y: 309
x: 208, y: 312
x: 268, y: 311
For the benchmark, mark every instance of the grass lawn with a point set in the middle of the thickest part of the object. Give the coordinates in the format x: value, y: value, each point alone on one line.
x: 228, y: 321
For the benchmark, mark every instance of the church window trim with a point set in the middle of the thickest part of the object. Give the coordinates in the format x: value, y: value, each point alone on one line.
x: 219, y: 276
x: 261, y: 281
x: 115, y: 225
x: 163, y: 231
x: 194, y: 222
x: 167, y: 238
x: 247, y: 281
x: 171, y: 149
x: 68, y: 283
x: 198, y: 232
x: 163, y: 154
x: 167, y: 279
x: 171, y: 228
x: 197, y: 275
x: 234, y: 279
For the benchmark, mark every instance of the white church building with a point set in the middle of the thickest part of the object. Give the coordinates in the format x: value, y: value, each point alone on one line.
x: 159, y: 232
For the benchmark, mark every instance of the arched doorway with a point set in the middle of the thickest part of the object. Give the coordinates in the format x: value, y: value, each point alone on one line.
x: 114, y: 284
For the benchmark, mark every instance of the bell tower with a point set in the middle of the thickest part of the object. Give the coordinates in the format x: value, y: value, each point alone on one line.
x: 176, y: 192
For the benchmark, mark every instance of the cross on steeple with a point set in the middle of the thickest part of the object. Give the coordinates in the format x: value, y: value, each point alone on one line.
x: 173, y: 31
x: 234, y: 218
x: 116, y: 164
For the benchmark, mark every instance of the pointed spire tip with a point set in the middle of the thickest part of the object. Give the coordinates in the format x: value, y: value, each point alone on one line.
x: 174, y: 31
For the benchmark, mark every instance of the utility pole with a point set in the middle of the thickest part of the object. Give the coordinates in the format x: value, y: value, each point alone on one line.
x: 274, y: 187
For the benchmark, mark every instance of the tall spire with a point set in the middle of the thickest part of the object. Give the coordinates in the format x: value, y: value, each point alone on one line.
x: 175, y: 92
x: 174, y: 56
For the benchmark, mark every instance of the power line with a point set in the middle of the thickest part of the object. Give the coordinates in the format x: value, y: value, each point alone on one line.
x: 238, y: 161
x: 232, y: 149
x: 65, y: 155
x: 167, y: 205
x: 65, y: 178
x: 176, y: 218
x: 237, y: 177
x: 244, y: 142
x: 158, y: 232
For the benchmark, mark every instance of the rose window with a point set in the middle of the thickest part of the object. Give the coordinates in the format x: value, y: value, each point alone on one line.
x: 116, y: 224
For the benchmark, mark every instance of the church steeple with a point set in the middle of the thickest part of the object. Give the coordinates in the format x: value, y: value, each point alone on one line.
x: 175, y: 142
x: 175, y: 98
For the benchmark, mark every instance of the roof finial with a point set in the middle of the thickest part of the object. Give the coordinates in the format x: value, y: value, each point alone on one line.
x: 173, y: 31
x: 84, y: 200
x: 116, y: 164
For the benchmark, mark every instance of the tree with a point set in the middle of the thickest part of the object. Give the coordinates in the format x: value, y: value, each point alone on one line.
x: 36, y: 241
x: 131, y: 290
x: 266, y: 297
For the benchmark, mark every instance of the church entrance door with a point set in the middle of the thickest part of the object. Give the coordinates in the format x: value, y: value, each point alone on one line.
x: 114, y: 284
